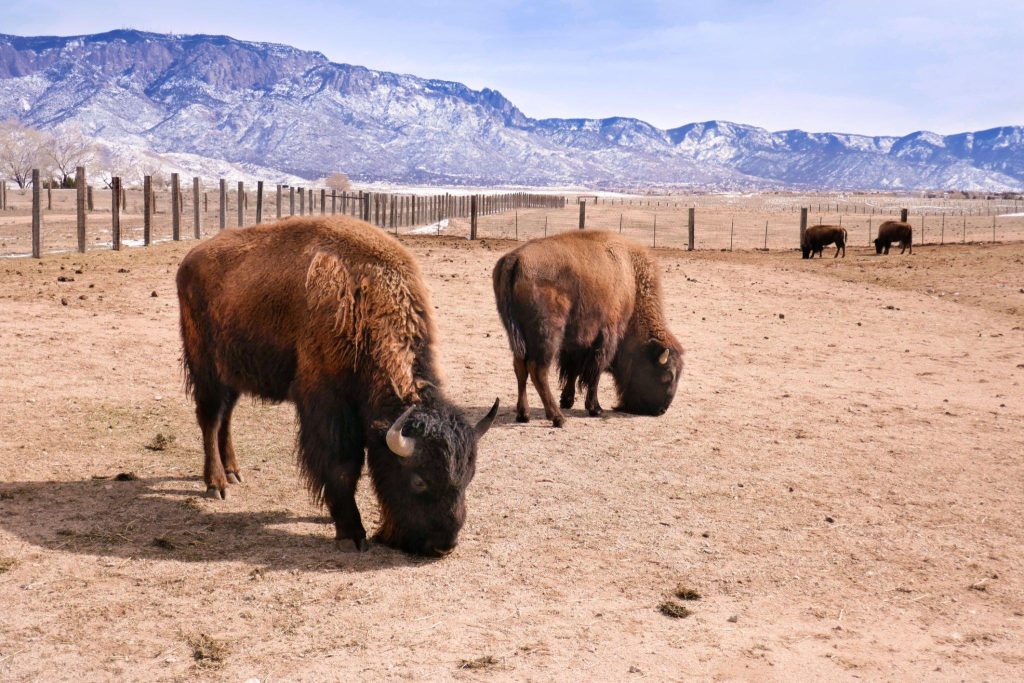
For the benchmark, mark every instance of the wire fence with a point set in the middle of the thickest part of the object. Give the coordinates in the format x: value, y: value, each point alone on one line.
x: 69, y: 219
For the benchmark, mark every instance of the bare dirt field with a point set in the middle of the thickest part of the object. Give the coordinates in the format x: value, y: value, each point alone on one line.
x: 839, y: 479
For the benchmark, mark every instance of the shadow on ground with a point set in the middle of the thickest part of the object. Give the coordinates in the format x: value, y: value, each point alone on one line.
x: 148, y: 519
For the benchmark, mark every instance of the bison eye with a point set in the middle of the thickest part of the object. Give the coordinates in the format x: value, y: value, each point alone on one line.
x: 417, y: 484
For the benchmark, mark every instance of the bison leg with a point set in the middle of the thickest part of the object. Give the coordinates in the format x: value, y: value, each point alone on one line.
x: 331, y: 449
x: 209, y: 410
x: 568, y: 374
x: 522, y: 404
x: 539, y: 375
x: 227, y: 448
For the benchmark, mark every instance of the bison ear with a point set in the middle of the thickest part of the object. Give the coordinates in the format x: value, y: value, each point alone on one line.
x: 484, y: 424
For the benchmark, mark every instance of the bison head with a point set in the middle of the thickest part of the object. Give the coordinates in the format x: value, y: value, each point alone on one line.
x: 878, y: 245
x: 421, y: 467
x: 646, y: 375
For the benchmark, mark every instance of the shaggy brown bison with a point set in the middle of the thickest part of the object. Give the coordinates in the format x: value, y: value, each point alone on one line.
x: 817, y: 237
x: 894, y: 231
x: 332, y: 314
x: 592, y: 302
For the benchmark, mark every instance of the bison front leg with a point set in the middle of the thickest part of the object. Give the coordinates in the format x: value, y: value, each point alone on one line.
x: 539, y: 375
x: 331, y: 451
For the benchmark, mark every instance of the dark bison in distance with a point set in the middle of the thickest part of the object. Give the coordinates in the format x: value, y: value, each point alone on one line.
x: 817, y: 237
x: 332, y: 314
x: 590, y: 301
x: 894, y: 231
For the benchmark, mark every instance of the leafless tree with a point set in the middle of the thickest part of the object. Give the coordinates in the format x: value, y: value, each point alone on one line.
x: 21, y: 150
x: 67, y: 148
x: 338, y: 181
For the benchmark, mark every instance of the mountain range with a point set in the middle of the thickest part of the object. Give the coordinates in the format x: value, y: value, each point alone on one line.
x: 210, y: 103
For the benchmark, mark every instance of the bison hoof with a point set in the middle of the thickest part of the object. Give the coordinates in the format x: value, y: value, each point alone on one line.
x: 595, y: 412
x: 234, y: 478
x: 216, y: 493
x: 557, y: 421
x: 352, y: 545
x: 522, y: 418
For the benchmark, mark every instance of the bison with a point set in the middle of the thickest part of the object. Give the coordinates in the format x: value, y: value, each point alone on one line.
x: 817, y: 237
x: 592, y: 302
x: 332, y: 315
x: 894, y: 231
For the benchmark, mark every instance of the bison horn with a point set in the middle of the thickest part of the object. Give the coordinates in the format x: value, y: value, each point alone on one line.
x: 401, y: 445
x: 663, y: 359
x: 485, y: 423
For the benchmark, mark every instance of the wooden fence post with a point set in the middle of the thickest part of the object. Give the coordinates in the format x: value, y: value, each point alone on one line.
x: 37, y: 216
x: 115, y: 213
x: 291, y: 201
x: 803, y: 224
x: 175, y: 207
x: 278, y: 201
x: 323, y: 202
x: 302, y: 201
x: 583, y: 213
x: 147, y: 210
x: 196, y: 218
x: 334, y: 202
x: 223, y: 203
x: 49, y: 195
x: 240, y: 198
x: 259, y: 202
x: 81, y: 202
x: 472, y: 217
x: 88, y: 197
x: 690, y: 225
x: 903, y: 215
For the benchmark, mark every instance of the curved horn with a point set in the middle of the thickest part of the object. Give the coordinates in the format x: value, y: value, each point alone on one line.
x: 485, y: 423
x: 402, y: 446
x: 663, y: 359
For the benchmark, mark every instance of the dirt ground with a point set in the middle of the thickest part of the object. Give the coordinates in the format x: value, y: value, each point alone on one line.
x: 839, y: 479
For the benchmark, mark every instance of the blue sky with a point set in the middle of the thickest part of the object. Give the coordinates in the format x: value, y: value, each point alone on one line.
x: 866, y: 67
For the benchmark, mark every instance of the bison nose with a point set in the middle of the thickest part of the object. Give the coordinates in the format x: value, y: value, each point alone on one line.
x: 443, y: 549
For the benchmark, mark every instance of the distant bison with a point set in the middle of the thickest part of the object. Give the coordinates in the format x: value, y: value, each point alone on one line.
x: 817, y: 237
x: 590, y: 301
x: 331, y: 314
x: 894, y: 231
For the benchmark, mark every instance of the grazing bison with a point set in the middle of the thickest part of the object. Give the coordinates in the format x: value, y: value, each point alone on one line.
x: 894, y: 231
x: 333, y: 315
x: 817, y: 237
x: 592, y: 302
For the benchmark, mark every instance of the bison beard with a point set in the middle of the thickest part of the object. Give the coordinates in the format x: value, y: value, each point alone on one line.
x: 331, y: 314
x: 592, y: 302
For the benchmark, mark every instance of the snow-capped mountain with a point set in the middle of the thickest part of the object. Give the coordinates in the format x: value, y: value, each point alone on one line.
x: 267, y: 108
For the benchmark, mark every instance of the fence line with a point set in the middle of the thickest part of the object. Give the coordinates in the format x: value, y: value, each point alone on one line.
x: 690, y: 223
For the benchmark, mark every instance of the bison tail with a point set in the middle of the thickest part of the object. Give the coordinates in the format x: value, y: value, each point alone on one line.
x: 505, y: 274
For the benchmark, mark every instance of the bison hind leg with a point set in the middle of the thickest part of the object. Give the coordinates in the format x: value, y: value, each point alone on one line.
x: 210, y: 397
x: 568, y: 375
x: 224, y: 443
